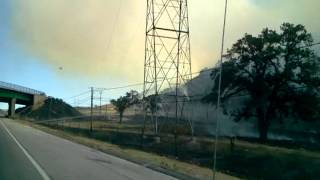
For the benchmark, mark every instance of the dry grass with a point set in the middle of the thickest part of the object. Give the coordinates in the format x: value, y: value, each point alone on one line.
x: 144, y: 158
x: 246, y: 159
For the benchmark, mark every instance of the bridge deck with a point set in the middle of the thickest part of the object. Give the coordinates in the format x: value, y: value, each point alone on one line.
x: 21, y: 89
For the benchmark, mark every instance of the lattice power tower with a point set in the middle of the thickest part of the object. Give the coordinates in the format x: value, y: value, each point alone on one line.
x: 167, y: 50
x: 167, y: 46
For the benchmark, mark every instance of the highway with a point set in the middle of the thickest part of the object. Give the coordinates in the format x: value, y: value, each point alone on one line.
x: 30, y: 154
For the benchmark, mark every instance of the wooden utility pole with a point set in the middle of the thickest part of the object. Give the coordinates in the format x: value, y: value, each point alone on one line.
x: 91, y: 110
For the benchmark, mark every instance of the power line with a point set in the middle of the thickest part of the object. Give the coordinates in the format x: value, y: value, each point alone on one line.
x: 122, y: 87
x: 141, y: 84
x: 67, y: 98
x: 115, y: 24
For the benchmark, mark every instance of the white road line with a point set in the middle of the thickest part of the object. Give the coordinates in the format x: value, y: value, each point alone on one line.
x: 34, y: 163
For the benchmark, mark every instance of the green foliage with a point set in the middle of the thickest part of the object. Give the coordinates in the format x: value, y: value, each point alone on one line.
x: 152, y: 103
x: 277, y: 71
x: 123, y: 102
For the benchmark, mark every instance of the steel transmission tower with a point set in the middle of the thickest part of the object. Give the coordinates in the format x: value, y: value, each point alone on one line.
x: 167, y: 46
x: 167, y: 49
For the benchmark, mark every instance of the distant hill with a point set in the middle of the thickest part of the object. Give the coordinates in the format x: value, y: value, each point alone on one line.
x: 198, y: 86
x: 51, y: 109
x: 96, y: 109
x: 201, y: 84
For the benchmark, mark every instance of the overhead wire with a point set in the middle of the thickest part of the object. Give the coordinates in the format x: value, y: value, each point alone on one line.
x: 115, y: 22
x: 141, y: 84
x: 78, y: 95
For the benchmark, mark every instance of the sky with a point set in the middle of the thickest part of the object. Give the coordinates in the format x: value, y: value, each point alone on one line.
x: 63, y: 47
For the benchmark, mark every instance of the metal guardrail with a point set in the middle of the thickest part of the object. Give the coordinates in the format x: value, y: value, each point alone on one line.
x: 18, y: 88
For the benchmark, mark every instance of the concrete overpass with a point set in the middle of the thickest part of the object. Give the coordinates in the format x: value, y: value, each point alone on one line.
x: 15, y: 94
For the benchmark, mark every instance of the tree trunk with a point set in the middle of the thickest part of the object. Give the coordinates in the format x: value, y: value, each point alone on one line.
x: 263, y: 125
x: 121, y: 115
x: 263, y: 132
x: 263, y: 129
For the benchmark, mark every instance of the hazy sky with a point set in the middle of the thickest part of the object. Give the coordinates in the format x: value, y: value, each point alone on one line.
x: 101, y: 42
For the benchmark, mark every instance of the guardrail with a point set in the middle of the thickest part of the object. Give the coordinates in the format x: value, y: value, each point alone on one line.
x: 18, y: 88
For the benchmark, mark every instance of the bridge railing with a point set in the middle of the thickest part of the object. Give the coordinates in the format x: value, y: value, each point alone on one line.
x: 18, y: 88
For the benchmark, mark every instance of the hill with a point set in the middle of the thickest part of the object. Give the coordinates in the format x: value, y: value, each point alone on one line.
x: 51, y: 109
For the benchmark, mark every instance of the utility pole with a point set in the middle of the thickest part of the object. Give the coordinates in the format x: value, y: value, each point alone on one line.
x: 100, y: 109
x: 49, y: 111
x: 219, y: 93
x: 177, y: 83
x: 106, y: 111
x: 91, y: 109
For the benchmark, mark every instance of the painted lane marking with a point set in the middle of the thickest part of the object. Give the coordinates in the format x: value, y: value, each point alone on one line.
x: 34, y: 163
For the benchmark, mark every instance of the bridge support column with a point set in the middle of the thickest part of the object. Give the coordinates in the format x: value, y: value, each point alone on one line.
x: 12, y: 107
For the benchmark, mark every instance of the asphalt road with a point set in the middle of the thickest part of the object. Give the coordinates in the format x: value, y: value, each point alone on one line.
x: 29, y: 154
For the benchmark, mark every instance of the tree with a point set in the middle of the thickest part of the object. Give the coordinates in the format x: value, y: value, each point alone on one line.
x: 277, y: 72
x: 123, y: 102
x: 153, y: 105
